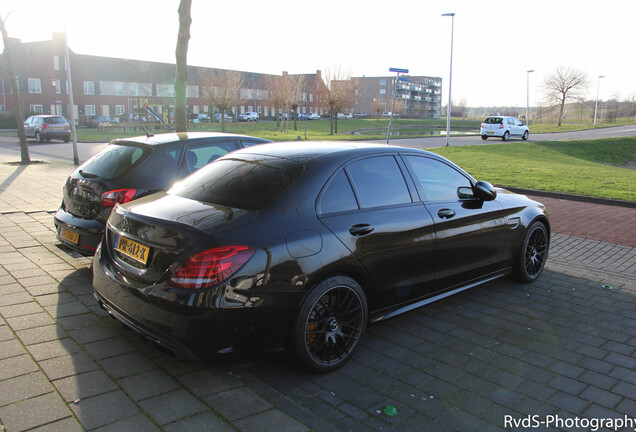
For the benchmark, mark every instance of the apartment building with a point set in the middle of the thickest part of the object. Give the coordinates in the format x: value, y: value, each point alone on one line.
x: 421, y: 97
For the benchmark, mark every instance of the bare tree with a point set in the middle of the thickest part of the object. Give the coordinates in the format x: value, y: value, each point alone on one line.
x: 222, y: 90
x: 277, y: 90
x: 17, y: 103
x: 339, y: 92
x: 376, y: 107
x: 296, y: 87
x: 181, y: 76
x: 562, y: 85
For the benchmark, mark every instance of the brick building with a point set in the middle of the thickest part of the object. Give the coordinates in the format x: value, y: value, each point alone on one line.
x: 115, y: 87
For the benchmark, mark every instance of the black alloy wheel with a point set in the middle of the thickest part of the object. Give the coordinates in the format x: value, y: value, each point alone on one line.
x: 525, y: 136
x: 330, y: 324
x: 533, y: 253
x: 484, y: 137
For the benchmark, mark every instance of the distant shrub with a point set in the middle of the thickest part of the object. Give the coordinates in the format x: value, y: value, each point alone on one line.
x: 7, y: 120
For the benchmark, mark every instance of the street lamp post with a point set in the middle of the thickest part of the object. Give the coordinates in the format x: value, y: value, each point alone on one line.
x: 598, y: 85
x: 528, y: 96
x: 450, y: 76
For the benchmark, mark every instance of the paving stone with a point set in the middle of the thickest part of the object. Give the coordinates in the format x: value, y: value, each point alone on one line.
x: 104, y: 409
x: 34, y: 412
x: 264, y: 421
x: 207, y: 421
x: 171, y: 407
x: 148, y: 384
x: 66, y: 366
x: 237, y: 402
x: 23, y: 387
x: 85, y: 385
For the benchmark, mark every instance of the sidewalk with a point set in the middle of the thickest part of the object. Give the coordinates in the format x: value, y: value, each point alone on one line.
x: 564, y: 345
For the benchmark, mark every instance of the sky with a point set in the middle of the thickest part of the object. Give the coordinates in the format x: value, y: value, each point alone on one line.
x: 494, y: 43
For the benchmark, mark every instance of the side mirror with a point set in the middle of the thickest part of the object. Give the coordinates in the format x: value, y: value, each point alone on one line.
x: 485, y: 191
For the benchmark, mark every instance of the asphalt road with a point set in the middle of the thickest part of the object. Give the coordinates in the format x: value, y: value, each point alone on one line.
x: 64, y: 151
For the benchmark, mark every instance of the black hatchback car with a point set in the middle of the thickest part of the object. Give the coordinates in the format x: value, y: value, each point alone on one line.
x: 300, y: 245
x: 130, y: 168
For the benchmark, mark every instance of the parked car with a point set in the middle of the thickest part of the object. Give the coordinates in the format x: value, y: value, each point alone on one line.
x: 360, y: 115
x: 504, y: 127
x: 47, y: 127
x: 95, y: 121
x: 301, y: 245
x: 313, y: 116
x: 248, y: 116
x: 202, y: 117
x: 301, y: 116
x: 130, y: 168
x: 344, y: 116
x: 217, y: 118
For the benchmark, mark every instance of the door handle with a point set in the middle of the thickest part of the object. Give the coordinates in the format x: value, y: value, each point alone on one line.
x: 446, y: 213
x: 360, y: 229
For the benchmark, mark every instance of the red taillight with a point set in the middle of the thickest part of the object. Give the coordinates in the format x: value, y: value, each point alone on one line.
x: 45, y: 126
x: 118, y: 196
x: 210, y: 267
x: 501, y: 125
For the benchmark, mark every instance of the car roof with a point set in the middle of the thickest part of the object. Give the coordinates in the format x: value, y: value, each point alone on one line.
x: 307, y: 151
x: 164, y: 138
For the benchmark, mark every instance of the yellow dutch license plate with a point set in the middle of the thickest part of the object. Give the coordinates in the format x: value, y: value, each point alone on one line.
x: 69, y: 235
x: 490, y: 133
x: 132, y: 249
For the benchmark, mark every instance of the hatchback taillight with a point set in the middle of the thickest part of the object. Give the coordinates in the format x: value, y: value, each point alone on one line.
x: 210, y: 267
x: 119, y: 196
x: 501, y: 125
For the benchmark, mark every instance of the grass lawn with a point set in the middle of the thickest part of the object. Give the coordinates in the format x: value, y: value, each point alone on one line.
x: 586, y: 167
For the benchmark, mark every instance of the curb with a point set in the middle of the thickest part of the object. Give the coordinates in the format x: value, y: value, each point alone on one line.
x: 571, y: 197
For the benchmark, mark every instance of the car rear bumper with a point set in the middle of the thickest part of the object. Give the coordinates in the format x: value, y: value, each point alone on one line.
x: 83, y: 235
x: 493, y: 133
x: 190, y: 323
x: 61, y: 134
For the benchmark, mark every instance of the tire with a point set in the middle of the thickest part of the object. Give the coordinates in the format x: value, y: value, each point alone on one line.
x: 532, y: 254
x: 525, y: 136
x: 66, y: 140
x: 38, y: 137
x: 330, y: 324
x: 506, y: 136
x: 484, y: 137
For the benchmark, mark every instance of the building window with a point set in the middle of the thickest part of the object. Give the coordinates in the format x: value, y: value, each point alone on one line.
x: 89, y: 110
x: 259, y: 109
x: 311, y: 97
x: 89, y: 89
x: 56, y: 62
x: 382, y: 91
x: 165, y: 90
x: 119, y: 88
x: 133, y: 89
x: 36, y: 109
x: 382, y: 82
x: 35, y: 85
x: 58, y: 87
x: 119, y: 109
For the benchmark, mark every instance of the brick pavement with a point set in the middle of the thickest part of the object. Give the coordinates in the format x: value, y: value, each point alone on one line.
x: 564, y: 345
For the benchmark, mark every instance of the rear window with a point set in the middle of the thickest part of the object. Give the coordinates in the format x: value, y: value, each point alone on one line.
x: 246, y: 181
x: 54, y: 120
x: 493, y: 120
x: 114, y: 161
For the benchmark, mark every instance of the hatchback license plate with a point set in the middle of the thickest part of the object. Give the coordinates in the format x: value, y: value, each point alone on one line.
x: 132, y: 249
x: 69, y: 235
x: 490, y: 133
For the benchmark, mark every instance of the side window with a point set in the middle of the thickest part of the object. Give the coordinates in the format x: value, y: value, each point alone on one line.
x: 339, y: 196
x: 511, y: 121
x: 251, y: 143
x: 378, y: 181
x: 435, y: 180
x: 198, y: 156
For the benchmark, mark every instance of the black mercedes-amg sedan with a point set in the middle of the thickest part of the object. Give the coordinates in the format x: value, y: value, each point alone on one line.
x: 301, y: 245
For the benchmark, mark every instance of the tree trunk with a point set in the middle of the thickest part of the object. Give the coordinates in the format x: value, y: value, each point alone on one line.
x: 17, y: 102
x: 181, y: 77
x: 561, y: 111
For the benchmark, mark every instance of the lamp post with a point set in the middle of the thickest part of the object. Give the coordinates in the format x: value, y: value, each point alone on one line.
x: 598, y: 85
x: 528, y: 96
x: 450, y: 76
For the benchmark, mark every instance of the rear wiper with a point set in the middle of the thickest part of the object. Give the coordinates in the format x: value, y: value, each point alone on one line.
x: 87, y: 174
